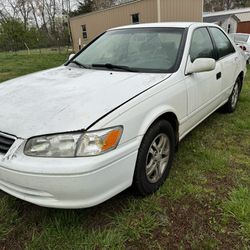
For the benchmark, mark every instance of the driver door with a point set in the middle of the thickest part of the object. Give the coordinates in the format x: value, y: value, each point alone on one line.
x: 204, y: 89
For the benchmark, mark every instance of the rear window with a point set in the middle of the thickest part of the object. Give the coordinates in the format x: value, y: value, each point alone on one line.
x: 240, y: 38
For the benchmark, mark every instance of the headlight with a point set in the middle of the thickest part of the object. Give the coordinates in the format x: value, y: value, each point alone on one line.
x: 74, y: 144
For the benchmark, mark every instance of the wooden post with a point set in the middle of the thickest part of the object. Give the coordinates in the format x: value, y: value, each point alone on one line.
x: 158, y: 11
x: 80, y: 43
x: 27, y: 48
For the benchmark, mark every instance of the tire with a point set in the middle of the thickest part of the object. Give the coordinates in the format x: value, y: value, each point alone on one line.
x: 155, y: 158
x: 231, y: 104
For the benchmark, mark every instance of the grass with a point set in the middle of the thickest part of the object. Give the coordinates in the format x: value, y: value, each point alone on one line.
x: 205, y: 203
x: 18, y: 64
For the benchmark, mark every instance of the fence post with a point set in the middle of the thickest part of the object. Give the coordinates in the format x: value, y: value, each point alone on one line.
x: 27, y: 48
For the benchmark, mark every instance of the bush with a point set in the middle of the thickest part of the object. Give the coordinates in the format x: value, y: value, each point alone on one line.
x: 15, y: 36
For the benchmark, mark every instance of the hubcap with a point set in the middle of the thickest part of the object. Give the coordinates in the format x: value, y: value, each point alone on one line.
x: 235, y: 95
x: 157, y: 158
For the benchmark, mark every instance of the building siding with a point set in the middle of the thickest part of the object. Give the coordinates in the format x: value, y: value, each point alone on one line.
x: 98, y: 22
x: 243, y: 27
x: 181, y: 10
x: 229, y: 25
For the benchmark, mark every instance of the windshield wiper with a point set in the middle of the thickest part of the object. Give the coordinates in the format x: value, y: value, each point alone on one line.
x: 80, y: 64
x: 113, y: 66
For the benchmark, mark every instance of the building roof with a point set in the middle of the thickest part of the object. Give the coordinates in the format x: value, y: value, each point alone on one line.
x: 219, y: 18
x: 227, y: 12
x: 244, y: 17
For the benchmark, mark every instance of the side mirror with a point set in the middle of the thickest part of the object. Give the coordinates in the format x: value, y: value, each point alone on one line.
x: 200, y: 65
x: 71, y: 56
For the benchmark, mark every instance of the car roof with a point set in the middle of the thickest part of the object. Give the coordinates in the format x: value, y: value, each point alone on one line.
x: 165, y: 25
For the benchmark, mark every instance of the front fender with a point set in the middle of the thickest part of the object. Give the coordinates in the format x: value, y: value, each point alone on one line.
x: 139, y: 114
x: 153, y: 115
x: 137, y: 120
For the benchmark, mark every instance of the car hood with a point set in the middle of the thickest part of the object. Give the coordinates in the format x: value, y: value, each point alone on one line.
x: 66, y: 98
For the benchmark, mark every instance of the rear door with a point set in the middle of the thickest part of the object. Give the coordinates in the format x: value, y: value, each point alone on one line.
x: 228, y: 59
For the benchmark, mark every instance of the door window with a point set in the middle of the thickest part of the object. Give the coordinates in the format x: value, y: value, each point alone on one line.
x: 223, y: 44
x: 201, y: 45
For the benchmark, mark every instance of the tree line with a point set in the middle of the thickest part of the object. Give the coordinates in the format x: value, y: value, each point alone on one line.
x: 33, y: 23
x: 220, y: 5
x: 87, y: 6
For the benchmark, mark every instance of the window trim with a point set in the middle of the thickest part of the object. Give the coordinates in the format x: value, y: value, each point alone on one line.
x: 212, y: 41
x: 218, y: 58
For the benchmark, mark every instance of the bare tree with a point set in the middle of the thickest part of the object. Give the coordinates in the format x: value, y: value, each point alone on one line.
x: 24, y: 9
x: 217, y: 5
x: 52, y: 9
x: 103, y: 4
x: 34, y: 13
x: 8, y: 9
x: 40, y: 10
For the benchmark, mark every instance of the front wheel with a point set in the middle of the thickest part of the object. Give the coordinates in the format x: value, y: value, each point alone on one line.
x: 154, y: 158
x: 231, y: 104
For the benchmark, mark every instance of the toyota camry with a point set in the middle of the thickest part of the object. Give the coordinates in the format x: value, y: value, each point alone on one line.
x: 113, y: 115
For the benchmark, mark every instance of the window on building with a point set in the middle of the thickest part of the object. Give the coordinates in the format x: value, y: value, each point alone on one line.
x: 135, y: 18
x: 84, y: 31
x: 229, y: 28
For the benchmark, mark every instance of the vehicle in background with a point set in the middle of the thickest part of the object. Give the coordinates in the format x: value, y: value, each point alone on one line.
x: 242, y: 40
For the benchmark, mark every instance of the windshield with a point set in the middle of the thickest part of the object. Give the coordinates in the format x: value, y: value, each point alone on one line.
x: 138, y: 49
x: 240, y: 38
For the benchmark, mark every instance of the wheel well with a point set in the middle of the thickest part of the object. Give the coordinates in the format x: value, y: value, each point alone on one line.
x: 241, y: 77
x: 172, y: 119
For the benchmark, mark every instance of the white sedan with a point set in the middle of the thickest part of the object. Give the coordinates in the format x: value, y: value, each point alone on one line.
x: 113, y: 115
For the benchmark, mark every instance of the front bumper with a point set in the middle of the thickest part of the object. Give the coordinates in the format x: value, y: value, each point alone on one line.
x: 69, y: 183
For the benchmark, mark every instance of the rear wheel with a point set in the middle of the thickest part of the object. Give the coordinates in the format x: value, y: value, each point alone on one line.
x: 155, y: 158
x: 231, y: 104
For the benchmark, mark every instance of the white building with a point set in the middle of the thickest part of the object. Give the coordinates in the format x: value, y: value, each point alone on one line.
x: 232, y: 21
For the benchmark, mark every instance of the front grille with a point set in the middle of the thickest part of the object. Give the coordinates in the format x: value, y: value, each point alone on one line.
x: 6, y: 142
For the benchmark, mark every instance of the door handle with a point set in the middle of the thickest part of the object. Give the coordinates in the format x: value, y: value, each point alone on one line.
x: 218, y: 76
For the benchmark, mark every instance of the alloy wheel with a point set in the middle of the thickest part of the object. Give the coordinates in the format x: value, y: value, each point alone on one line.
x: 157, y: 158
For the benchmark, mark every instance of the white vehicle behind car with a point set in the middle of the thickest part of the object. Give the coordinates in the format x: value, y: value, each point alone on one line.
x: 112, y: 117
x: 243, y: 41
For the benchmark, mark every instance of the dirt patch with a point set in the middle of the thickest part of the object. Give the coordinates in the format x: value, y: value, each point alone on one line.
x: 220, y: 185
x: 191, y: 224
x: 195, y: 223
